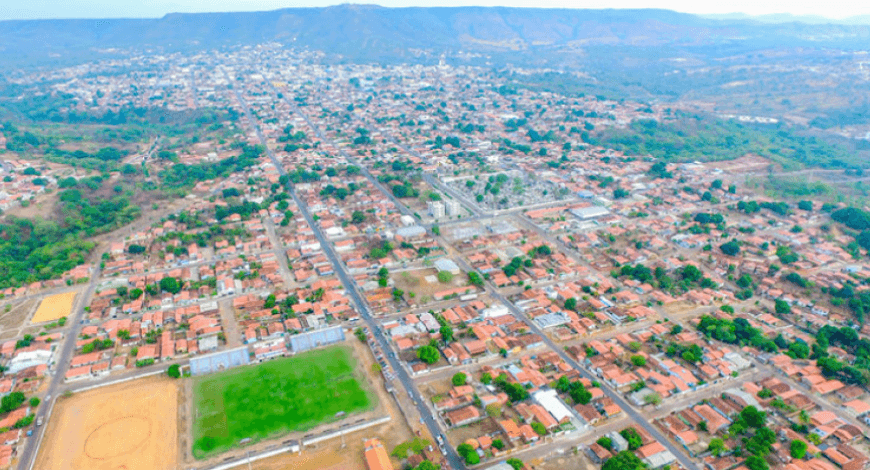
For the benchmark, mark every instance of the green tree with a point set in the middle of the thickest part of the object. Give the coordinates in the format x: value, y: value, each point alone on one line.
x: 633, y: 437
x: 781, y: 306
x: 516, y: 464
x: 539, y: 428
x: 170, y: 284
x: 357, y: 217
x: 731, y: 248
x: 755, y: 462
x: 625, y: 460
x: 360, y: 334
x: 798, y: 449
x: 716, y: 446
x: 426, y: 465
x: 638, y: 360
x: 11, y: 402
x: 459, y: 379
x: 652, y: 399
x: 752, y: 417
x: 446, y: 334
x: 475, y: 279
x: 34, y: 402
x: 428, y: 354
x: 174, y: 371
x: 468, y: 453
x: 571, y: 304
x: 605, y: 442
x: 445, y: 276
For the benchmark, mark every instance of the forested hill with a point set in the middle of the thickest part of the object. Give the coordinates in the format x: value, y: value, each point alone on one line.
x: 372, y: 32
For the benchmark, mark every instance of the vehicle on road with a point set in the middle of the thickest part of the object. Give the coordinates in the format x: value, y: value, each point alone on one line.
x: 39, y: 421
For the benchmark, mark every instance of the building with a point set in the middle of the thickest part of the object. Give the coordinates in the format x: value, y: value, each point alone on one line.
x: 453, y: 207
x: 551, y: 402
x: 376, y: 456
x: 435, y: 208
x: 654, y: 455
x: 446, y: 264
x: 591, y: 212
x: 28, y: 359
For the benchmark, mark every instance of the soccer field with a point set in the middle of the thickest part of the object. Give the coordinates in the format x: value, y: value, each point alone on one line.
x: 276, y: 397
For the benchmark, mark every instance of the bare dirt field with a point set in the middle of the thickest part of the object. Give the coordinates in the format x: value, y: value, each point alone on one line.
x: 559, y: 462
x: 54, y: 307
x: 130, y: 426
x: 12, y: 320
x: 42, y: 206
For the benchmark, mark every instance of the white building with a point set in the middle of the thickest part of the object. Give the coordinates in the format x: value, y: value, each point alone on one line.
x: 550, y: 401
x: 453, y: 207
x: 436, y: 209
x: 28, y: 359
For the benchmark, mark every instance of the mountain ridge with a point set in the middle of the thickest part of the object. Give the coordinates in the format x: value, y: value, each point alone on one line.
x: 371, y: 32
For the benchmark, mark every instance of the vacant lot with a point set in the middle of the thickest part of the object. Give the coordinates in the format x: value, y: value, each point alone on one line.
x: 276, y: 397
x: 130, y: 426
x: 54, y: 307
x: 12, y: 317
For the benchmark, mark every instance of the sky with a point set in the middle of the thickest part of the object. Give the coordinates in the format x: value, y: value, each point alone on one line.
x: 40, y: 9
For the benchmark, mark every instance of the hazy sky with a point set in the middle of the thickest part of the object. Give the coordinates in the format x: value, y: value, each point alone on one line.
x: 30, y: 9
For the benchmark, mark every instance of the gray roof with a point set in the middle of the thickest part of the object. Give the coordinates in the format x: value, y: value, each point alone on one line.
x: 446, y: 264
x: 411, y: 231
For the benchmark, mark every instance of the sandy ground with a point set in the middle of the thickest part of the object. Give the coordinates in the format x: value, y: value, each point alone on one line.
x: 12, y: 320
x: 54, y: 307
x: 559, y: 462
x: 130, y: 426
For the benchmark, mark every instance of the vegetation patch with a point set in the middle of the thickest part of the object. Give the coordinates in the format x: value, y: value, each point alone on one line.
x: 280, y: 396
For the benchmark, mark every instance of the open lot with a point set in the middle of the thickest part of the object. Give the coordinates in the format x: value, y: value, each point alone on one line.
x: 54, y: 307
x: 12, y: 317
x: 129, y: 426
x: 276, y: 397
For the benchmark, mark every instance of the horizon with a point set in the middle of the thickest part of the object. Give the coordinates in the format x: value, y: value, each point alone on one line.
x: 103, y: 9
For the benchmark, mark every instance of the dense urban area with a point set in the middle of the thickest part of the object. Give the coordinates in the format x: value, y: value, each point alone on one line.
x: 259, y: 257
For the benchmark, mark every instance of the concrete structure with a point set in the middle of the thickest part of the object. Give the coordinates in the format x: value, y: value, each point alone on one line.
x: 453, y: 207
x: 446, y: 264
x: 313, y: 339
x: 218, y: 361
x: 549, y: 399
x: 28, y: 359
x: 591, y: 212
x: 412, y: 231
x: 435, y: 208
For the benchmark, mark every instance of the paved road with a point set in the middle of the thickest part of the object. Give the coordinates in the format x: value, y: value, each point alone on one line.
x: 634, y: 414
x: 617, y: 397
x: 61, y: 366
x: 351, y: 288
x: 278, y: 250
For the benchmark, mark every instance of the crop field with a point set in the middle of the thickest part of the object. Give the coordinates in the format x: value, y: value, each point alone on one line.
x: 54, y: 307
x: 276, y: 397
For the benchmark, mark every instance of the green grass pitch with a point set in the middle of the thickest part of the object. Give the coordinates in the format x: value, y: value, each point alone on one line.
x: 276, y: 397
